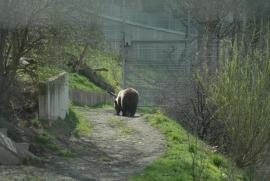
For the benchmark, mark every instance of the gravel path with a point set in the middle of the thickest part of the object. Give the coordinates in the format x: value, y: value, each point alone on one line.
x: 117, y: 148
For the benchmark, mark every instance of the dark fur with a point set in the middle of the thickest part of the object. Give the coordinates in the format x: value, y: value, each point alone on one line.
x: 126, y: 101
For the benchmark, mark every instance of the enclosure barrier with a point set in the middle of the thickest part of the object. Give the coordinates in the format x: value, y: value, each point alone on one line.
x: 54, y: 98
x: 89, y: 98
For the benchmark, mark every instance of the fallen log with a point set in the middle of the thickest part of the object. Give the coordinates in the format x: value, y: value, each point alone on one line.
x: 93, y: 77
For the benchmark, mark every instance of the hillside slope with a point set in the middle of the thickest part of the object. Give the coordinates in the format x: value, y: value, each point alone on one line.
x: 186, y: 158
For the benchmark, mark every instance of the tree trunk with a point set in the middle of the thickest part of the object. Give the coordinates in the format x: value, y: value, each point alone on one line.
x: 93, y: 77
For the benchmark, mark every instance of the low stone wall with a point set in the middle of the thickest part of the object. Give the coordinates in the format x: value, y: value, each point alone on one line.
x: 89, y: 98
x: 54, y: 98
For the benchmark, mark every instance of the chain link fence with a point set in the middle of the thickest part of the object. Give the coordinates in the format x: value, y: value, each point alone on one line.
x: 160, y: 70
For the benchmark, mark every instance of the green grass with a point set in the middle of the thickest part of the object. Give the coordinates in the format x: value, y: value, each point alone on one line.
x: 36, y: 122
x: 186, y: 157
x: 46, y: 72
x: 82, y: 125
x: 109, y: 60
x: 74, y: 124
x: 31, y: 178
x: 121, y: 126
x: 104, y: 106
x: 76, y: 81
x: 147, y: 110
x: 80, y: 82
x: 43, y: 73
x: 66, y: 153
x: 46, y: 141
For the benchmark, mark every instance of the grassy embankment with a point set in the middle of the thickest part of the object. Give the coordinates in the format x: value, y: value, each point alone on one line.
x: 186, y: 157
x: 75, y: 125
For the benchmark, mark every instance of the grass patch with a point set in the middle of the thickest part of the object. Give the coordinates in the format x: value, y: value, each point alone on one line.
x: 46, y: 141
x: 80, y: 82
x: 46, y: 72
x: 35, y: 122
x: 31, y: 178
x: 219, y: 161
x: 43, y: 73
x: 103, y: 106
x: 148, y: 110
x: 121, y: 126
x: 186, y: 157
x: 97, y: 106
x: 82, y: 126
x: 111, y: 61
x: 66, y: 153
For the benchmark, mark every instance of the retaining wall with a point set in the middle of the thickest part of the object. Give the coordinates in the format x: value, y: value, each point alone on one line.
x: 89, y: 98
x: 54, y: 98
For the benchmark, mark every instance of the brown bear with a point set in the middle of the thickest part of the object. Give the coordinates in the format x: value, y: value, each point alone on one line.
x: 126, y: 101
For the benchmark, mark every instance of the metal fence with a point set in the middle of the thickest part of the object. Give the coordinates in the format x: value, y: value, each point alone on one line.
x: 157, y: 55
x: 160, y: 70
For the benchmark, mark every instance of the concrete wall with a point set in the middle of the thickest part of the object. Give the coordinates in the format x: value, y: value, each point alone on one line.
x: 115, y: 31
x: 159, y: 19
x: 89, y: 98
x: 54, y: 98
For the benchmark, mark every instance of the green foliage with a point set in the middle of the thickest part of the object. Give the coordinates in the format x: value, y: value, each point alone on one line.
x: 147, y: 110
x: 219, y: 161
x: 47, y: 141
x: 46, y: 72
x: 186, y: 157
x: 80, y: 82
x: 66, y: 153
x: 111, y: 61
x: 192, y: 149
x: 36, y: 122
x: 241, y: 92
x: 104, y: 106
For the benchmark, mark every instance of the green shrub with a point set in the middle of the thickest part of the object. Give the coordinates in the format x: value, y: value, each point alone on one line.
x: 241, y: 93
x: 218, y: 161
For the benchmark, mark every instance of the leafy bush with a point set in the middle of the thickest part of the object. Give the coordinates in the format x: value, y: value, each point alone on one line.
x: 241, y: 92
x: 218, y: 161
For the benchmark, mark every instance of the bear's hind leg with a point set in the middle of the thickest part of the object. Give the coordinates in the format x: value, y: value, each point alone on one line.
x: 124, y: 113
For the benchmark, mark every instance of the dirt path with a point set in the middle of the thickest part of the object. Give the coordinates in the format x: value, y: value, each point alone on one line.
x: 117, y: 148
